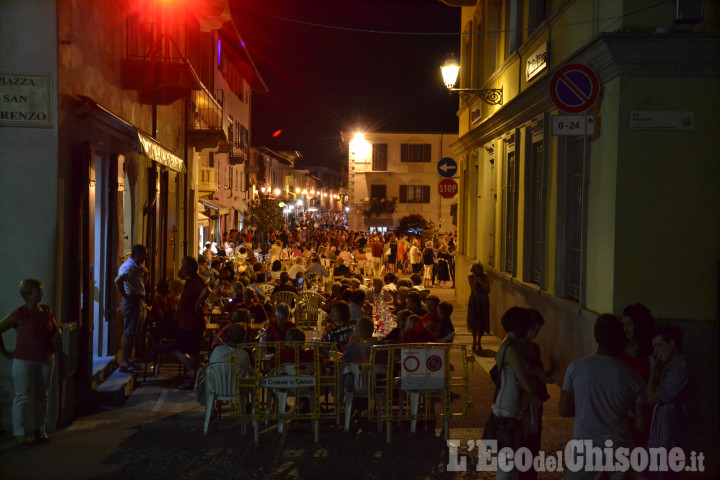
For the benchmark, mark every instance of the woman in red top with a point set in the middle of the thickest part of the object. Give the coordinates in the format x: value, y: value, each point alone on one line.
x: 38, y: 337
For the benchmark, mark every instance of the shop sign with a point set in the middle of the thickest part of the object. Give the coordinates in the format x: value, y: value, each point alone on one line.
x: 26, y: 100
x: 536, y: 62
x: 154, y: 151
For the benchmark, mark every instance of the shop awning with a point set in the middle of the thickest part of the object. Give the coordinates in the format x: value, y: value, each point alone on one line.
x: 214, y: 206
x: 149, y: 147
x: 129, y: 137
x: 203, y: 220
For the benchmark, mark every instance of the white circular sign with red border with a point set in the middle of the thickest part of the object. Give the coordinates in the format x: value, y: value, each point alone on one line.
x: 574, y: 88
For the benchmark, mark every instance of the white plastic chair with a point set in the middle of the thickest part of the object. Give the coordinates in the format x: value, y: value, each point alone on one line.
x: 361, y: 381
x: 309, y: 310
x: 220, y: 384
x: 447, y: 339
x: 281, y: 394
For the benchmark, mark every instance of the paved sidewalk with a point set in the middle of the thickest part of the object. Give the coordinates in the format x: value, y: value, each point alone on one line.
x: 157, y: 434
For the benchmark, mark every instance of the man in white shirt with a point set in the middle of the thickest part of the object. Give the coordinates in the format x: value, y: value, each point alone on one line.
x: 298, y: 267
x: 599, y: 391
x: 129, y: 283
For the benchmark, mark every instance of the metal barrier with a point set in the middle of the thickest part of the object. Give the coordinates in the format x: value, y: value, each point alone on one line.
x: 425, y: 375
x: 306, y: 371
x: 427, y: 381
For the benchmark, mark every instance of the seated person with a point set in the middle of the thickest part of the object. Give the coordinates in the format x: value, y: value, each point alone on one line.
x: 417, y: 281
x: 396, y: 334
x: 284, y: 284
x: 286, y: 355
x: 357, y: 305
x: 401, y: 299
x: 414, y: 303
x: 222, y: 353
x: 415, y: 333
x: 161, y: 303
x: 431, y: 302
x: 444, y: 325
x: 250, y: 303
x: 278, y: 328
x: 340, y: 269
x: 275, y: 270
x: 336, y: 292
x: 236, y: 298
x: 317, y: 268
x: 298, y: 267
x: 360, y: 343
x: 339, y: 329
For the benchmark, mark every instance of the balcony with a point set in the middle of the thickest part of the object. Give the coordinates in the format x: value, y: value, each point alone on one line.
x: 238, y: 153
x: 159, y: 55
x: 205, y: 119
x: 207, y: 180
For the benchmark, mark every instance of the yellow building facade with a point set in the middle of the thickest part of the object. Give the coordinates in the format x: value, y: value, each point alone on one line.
x: 625, y: 208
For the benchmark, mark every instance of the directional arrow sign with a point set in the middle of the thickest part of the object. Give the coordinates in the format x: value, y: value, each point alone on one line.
x: 447, y: 167
x: 573, y: 125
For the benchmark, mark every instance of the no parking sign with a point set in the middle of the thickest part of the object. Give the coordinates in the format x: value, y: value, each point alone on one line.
x: 574, y: 88
x: 423, y: 368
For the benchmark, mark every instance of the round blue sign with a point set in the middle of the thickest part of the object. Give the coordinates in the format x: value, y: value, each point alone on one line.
x: 447, y: 167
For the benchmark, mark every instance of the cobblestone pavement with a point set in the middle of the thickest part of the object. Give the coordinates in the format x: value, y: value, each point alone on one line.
x: 157, y: 434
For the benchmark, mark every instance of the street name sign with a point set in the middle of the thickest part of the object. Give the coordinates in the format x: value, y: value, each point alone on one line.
x: 574, y: 88
x: 448, y: 188
x: 573, y: 125
x: 447, y: 167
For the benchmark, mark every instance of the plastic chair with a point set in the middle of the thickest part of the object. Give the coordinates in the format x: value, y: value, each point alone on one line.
x: 291, y: 299
x: 282, y: 394
x: 309, y: 310
x: 447, y: 339
x: 361, y: 381
x: 220, y: 384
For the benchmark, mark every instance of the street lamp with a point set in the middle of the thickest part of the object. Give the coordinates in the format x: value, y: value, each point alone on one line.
x: 491, y: 96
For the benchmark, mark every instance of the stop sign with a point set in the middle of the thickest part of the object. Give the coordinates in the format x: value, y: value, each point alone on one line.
x: 448, y: 188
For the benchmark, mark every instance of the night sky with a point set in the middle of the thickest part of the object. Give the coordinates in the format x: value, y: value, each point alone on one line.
x: 326, y: 80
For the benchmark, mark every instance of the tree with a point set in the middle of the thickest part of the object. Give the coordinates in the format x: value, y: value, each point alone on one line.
x: 264, y: 213
x: 416, y: 224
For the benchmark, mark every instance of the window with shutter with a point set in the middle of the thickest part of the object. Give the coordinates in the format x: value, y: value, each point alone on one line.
x: 415, y: 152
x: 379, y: 157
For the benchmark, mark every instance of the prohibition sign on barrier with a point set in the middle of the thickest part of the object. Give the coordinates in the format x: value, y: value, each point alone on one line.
x: 411, y: 364
x: 574, y: 88
x: 434, y: 363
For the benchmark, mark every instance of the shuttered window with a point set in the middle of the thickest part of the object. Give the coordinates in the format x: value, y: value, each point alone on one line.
x: 378, y: 191
x: 414, y: 194
x: 415, y: 152
x: 379, y: 157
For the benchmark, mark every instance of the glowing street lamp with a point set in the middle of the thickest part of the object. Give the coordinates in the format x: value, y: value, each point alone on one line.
x: 450, y: 70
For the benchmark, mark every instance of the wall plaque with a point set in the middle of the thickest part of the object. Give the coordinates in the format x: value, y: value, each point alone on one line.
x: 26, y: 100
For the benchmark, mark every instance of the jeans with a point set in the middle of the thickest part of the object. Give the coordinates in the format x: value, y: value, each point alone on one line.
x: 26, y: 377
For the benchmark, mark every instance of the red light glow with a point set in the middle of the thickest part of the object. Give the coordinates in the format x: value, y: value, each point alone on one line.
x: 277, y: 133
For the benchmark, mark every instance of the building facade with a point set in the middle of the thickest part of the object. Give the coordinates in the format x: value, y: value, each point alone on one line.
x: 622, y: 210
x: 391, y: 175
x: 110, y: 114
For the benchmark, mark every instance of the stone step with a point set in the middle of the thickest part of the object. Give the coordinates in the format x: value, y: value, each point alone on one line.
x: 115, y: 389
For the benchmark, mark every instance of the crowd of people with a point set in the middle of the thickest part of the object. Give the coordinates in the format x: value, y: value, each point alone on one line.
x: 634, y: 391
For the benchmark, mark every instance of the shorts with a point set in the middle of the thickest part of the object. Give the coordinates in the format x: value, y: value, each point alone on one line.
x: 133, y: 311
x: 188, y: 342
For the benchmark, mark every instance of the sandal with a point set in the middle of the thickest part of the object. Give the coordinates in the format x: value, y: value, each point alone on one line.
x: 23, y: 441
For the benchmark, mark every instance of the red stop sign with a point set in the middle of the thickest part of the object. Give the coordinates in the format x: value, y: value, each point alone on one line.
x: 448, y: 188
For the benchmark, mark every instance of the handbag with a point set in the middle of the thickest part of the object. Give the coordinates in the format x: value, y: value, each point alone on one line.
x: 492, y: 423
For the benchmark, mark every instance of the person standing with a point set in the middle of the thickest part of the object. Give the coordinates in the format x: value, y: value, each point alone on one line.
x: 129, y: 283
x: 444, y: 258
x: 415, y: 257
x: 478, y: 311
x: 191, y: 319
x: 669, y: 390
x: 38, y: 337
x: 600, y: 391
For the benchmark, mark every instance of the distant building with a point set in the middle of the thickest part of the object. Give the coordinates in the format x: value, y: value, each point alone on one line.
x: 391, y: 175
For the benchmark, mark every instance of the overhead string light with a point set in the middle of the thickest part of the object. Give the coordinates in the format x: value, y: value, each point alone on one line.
x: 491, y: 32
